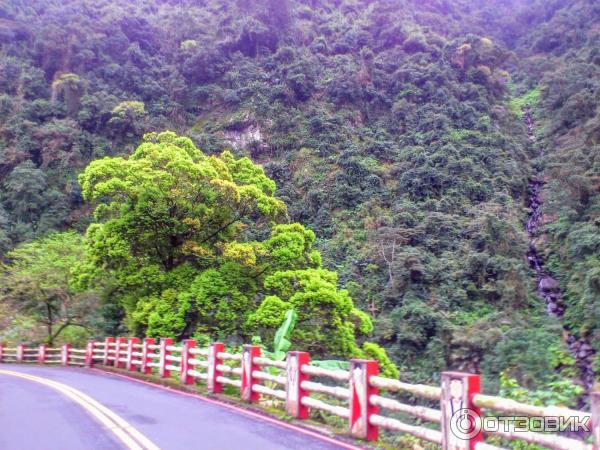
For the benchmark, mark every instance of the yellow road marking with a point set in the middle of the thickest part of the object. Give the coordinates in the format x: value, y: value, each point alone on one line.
x: 131, y: 437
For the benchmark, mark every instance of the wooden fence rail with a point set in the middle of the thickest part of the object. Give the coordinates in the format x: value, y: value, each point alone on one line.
x: 464, y: 420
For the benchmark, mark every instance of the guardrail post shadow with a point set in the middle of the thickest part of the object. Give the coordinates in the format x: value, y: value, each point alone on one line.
x: 107, y: 342
x: 41, y: 356
x: 595, y: 409
x: 162, y: 368
x: 248, y: 354
x: 130, y: 350
x: 120, y: 341
x: 65, y: 354
x: 293, y: 389
x: 361, y: 410
x: 214, y: 386
x: 144, y: 367
x: 20, y: 352
x: 89, y: 354
x: 461, y: 419
x: 186, y: 345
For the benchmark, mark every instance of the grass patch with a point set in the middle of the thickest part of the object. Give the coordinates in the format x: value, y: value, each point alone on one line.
x: 530, y: 98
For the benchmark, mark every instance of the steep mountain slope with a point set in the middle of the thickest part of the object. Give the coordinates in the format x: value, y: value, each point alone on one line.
x: 387, y: 125
x: 560, y: 68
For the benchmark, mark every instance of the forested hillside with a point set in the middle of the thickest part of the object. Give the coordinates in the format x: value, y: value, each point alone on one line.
x: 394, y: 130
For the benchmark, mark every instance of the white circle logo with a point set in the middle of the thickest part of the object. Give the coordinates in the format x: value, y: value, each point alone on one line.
x: 465, y: 424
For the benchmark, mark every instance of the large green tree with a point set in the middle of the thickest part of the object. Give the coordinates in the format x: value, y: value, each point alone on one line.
x: 195, y: 244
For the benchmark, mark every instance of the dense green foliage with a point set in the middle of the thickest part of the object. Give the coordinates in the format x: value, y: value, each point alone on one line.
x: 568, y: 82
x: 393, y: 129
x: 40, y: 284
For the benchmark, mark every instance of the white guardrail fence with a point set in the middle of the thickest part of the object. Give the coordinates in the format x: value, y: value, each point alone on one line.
x: 464, y: 420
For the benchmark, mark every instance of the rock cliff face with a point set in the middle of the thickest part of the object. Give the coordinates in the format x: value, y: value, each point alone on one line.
x: 246, y: 138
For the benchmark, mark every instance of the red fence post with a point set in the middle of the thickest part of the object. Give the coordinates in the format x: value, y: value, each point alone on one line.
x: 186, y: 345
x: 248, y: 354
x: 162, y: 368
x: 65, y: 354
x: 107, y: 348
x: 361, y: 371
x: 1, y: 351
x: 214, y: 385
x: 121, y: 345
x: 89, y: 354
x: 130, y: 350
x: 20, y: 352
x: 41, y: 357
x: 144, y: 368
x: 461, y: 420
x: 294, y: 391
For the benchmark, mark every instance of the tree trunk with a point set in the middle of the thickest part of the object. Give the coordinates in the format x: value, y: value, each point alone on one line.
x: 50, y: 339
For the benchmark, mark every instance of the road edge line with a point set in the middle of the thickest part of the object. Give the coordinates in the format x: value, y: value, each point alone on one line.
x: 126, y: 433
x: 254, y: 414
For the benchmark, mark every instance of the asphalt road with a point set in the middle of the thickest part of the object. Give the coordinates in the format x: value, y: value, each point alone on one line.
x: 35, y: 416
